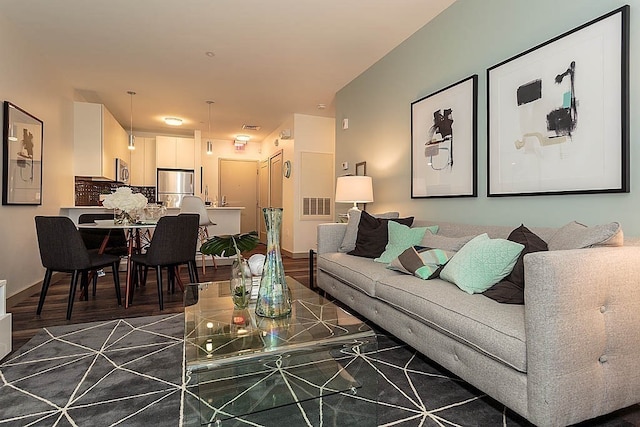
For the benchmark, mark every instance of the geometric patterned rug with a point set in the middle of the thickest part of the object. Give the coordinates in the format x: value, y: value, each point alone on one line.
x: 129, y: 372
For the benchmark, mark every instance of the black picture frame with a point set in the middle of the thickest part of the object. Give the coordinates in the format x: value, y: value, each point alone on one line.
x: 558, y: 114
x: 22, y: 142
x: 434, y: 121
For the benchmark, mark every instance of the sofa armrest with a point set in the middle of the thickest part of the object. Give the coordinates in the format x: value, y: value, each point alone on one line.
x: 582, y: 325
x: 330, y: 237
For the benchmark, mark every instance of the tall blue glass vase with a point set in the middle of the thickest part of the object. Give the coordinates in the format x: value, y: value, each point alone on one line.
x: 274, y: 298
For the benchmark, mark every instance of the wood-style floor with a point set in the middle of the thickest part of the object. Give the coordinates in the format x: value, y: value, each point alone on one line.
x: 104, y: 305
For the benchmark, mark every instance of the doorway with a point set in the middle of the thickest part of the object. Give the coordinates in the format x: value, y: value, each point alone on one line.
x: 270, y: 184
x: 239, y: 185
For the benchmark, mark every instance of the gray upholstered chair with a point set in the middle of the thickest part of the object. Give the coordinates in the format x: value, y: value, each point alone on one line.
x: 173, y: 244
x: 62, y: 249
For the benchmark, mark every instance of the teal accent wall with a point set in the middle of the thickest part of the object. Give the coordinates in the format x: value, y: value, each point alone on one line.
x: 467, y: 38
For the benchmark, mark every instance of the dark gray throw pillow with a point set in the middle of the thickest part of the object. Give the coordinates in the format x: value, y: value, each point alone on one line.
x: 373, y: 235
x: 510, y: 290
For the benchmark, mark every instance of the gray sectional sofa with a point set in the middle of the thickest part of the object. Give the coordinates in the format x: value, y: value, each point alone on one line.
x: 570, y: 353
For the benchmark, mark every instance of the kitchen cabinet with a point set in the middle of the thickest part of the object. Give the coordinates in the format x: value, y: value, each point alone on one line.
x: 98, y: 140
x: 142, y: 166
x: 175, y: 152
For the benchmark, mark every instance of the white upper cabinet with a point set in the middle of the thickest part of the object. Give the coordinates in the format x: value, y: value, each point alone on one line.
x: 98, y: 139
x: 175, y: 152
x: 142, y: 167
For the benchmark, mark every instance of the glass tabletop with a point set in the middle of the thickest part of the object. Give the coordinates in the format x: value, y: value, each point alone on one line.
x: 217, y: 334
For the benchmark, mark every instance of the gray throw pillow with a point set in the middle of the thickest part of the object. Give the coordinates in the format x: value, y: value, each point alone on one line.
x: 578, y: 236
x: 350, y: 236
x: 454, y: 244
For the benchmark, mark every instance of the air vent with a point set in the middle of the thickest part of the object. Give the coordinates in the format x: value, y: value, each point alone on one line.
x: 251, y: 127
x: 316, y: 206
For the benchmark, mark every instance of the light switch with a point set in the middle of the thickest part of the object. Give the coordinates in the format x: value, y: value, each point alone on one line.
x: 345, y: 124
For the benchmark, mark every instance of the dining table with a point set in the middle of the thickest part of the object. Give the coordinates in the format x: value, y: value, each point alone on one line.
x: 135, y: 234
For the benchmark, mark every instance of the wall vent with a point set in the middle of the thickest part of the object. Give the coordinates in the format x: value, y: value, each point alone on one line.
x: 316, y: 206
x: 251, y: 127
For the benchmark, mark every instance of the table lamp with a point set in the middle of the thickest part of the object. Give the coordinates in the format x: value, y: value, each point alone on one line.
x: 354, y: 189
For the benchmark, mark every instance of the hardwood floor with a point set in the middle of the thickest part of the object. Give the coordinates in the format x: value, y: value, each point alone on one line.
x: 104, y: 305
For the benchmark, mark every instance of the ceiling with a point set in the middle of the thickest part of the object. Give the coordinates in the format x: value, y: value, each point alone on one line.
x: 266, y: 61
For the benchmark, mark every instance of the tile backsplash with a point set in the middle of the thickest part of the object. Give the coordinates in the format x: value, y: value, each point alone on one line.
x: 88, y: 192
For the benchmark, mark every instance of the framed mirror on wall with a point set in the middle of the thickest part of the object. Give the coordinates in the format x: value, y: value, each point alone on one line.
x: 22, y: 157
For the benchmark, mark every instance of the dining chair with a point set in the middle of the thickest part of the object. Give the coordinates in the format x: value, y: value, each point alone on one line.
x: 173, y: 244
x: 194, y: 204
x: 62, y: 249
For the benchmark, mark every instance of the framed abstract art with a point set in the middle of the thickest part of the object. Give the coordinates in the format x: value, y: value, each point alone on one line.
x: 558, y: 114
x: 443, y: 142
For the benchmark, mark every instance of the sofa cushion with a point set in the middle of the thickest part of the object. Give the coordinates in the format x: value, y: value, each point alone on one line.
x: 424, y: 263
x: 373, y: 235
x: 435, y: 241
x: 578, y: 236
x: 359, y: 273
x: 493, y: 329
x: 481, y: 263
x: 401, y: 237
x: 349, y: 241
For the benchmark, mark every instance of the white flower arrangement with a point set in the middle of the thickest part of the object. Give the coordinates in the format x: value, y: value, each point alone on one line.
x: 125, y: 200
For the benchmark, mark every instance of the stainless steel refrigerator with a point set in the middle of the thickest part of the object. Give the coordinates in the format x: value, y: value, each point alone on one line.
x: 173, y: 185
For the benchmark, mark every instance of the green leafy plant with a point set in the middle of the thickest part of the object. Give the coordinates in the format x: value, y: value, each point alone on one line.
x: 225, y: 245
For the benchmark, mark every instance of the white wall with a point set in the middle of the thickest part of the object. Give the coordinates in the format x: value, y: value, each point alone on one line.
x: 28, y: 81
x: 467, y: 38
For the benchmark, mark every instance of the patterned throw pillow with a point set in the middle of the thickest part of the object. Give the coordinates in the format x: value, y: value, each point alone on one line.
x: 481, y: 263
x: 510, y: 290
x: 402, y: 237
x: 424, y: 263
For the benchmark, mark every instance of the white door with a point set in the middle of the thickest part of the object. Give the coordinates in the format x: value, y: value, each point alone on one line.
x: 239, y: 184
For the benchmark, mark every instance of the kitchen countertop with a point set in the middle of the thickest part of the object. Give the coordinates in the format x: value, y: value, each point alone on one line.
x: 208, y: 207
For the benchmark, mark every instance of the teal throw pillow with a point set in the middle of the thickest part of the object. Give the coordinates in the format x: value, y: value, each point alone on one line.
x: 424, y: 263
x: 402, y: 237
x: 481, y: 263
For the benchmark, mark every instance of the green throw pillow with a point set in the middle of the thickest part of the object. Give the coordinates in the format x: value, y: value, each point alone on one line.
x: 402, y: 237
x: 481, y: 263
x: 424, y: 263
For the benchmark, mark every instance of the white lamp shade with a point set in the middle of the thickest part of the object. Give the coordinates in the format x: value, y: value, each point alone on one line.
x: 354, y: 189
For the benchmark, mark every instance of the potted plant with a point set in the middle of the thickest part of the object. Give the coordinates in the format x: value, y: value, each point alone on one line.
x: 234, y: 245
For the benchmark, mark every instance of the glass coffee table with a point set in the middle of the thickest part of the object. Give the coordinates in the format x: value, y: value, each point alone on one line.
x: 242, y: 368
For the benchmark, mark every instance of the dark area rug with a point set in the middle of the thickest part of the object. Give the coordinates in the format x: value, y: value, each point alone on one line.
x: 129, y: 372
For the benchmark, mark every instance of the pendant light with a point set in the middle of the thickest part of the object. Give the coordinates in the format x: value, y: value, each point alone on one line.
x: 132, y: 139
x: 209, y: 143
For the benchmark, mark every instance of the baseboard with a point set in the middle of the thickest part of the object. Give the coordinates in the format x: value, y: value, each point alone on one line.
x: 16, y: 299
x: 294, y: 255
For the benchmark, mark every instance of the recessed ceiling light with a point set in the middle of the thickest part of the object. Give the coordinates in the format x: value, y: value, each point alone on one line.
x: 173, y: 121
x: 210, y: 54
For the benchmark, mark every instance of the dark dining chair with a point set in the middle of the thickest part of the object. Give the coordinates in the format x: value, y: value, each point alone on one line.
x: 95, y: 238
x: 173, y: 244
x: 62, y: 249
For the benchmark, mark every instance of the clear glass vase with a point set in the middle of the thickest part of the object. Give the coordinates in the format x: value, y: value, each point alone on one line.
x: 240, y: 283
x: 121, y: 217
x: 274, y: 298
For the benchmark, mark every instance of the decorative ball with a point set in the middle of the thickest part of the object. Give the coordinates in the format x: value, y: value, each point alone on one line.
x: 256, y: 262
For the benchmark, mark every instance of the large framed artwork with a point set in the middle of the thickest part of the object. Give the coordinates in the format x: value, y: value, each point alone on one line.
x: 443, y: 142
x: 22, y: 149
x: 558, y: 114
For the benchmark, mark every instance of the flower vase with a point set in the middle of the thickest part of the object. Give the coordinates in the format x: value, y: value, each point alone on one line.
x: 240, y: 283
x: 121, y: 217
x: 274, y: 298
